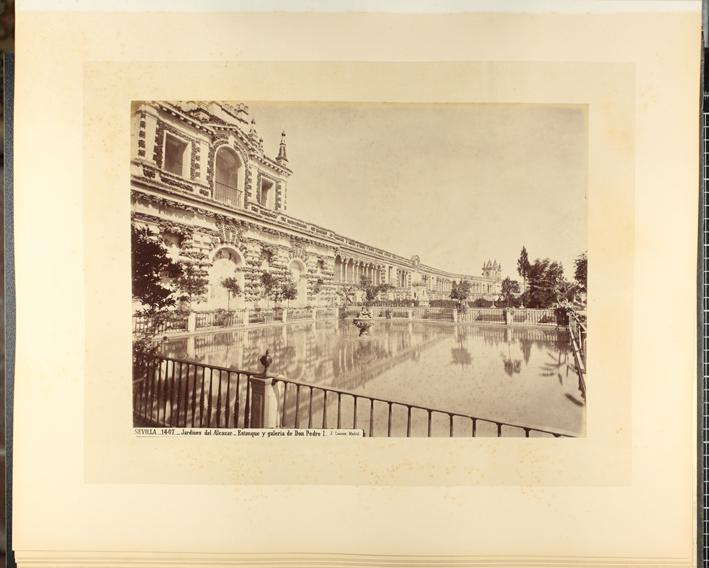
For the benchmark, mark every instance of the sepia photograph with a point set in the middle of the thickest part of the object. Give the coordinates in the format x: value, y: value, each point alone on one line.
x: 393, y: 269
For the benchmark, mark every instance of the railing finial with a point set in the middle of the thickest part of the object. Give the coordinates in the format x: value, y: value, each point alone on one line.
x: 266, y: 361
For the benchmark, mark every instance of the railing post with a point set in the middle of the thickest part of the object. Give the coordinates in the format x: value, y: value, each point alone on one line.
x: 455, y: 315
x: 264, y: 403
x: 264, y: 398
x: 246, y: 316
x: 411, y: 313
x: 509, y: 316
x: 192, y: 322
x: 314, y: 313
x: 285, y: 315
x: 337, y: 313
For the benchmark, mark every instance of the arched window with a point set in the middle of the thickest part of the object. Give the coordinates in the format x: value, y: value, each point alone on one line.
x: 227, y: 174
x: 226, y: 263
x: 299, y: 275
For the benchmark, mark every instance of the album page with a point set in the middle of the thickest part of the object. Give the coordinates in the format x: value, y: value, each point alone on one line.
x: 372, y: 288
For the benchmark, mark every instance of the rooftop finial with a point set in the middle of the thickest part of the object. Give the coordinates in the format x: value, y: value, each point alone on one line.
x: 282, y: 157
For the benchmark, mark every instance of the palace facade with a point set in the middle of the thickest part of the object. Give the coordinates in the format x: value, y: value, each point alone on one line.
x: 202, y: 180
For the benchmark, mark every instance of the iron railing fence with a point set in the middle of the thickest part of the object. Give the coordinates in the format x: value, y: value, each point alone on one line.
x: 219, y: 318
x: 185, y: 394
x: 443, y: 314
x: 482, y: 315
x: 178, y: 322
x: 259, y: 315
x: 297, y: 314
x: 577, y: 331
x: 162, y: 323
x: 324, y: 313
x: 302, y: 405
x: 529, y: 316
x: 577, y: 327
x: 178, y: 393
x: 227, y: 194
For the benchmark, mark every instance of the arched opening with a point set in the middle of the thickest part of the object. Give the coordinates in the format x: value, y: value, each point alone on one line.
x: 228, y: 171
x: 300, y: 279
x: 348, y: 271
x: 226, y: 263
x: 338, y: 269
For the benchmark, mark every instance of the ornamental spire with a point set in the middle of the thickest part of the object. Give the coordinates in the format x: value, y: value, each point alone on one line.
x: 282, y: 157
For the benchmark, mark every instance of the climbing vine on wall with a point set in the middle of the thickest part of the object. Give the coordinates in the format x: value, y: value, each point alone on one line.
x: 193, y: 278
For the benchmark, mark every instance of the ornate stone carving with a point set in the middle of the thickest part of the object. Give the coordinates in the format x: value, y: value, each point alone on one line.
x: 229, y: 233
x: 298, y: 251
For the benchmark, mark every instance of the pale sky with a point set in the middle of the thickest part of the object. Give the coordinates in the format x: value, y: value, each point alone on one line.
x: 455, y: 184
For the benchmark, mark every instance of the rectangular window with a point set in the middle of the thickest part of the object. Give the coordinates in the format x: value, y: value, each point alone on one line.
x: 175, y: 154
x: 267, y: 193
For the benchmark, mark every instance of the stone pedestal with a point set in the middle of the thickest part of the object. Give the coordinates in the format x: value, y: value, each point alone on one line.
x: 263, y: 406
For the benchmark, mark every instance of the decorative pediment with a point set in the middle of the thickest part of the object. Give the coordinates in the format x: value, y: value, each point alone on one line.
x: 298, y: 251
x: 229, y: 233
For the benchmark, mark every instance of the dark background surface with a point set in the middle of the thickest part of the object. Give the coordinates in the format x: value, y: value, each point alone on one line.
x: 7, y: 36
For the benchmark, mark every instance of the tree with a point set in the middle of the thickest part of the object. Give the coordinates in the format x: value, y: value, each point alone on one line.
x: 545, y: 279
x: 271, y: 288
x: 192, y: 282
x: 268, y: 283
x: 460, y: 292
x: 566, y: 293
x: 290, y: 291
x: 232, y: 287
x: 278, y: 285
x: 510, y: 288
x: 153, y: 270
x: 346, y: 294
x: 581, y: 271
x: 523, y: 267
x: 372, y: 291
x: 154, y: 274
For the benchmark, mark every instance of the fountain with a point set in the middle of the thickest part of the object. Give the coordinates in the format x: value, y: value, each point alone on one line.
x: 363, y: 322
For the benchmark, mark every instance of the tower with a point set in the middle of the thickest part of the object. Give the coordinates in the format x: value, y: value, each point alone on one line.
x: 496, y: 270
x: 492, y: 270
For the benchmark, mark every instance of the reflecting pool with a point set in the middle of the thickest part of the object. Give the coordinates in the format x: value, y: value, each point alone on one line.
x: 520, y: 375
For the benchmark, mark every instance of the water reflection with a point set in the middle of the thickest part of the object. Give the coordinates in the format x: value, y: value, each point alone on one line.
x: 460, y: 354
x: 464, y: 368
x: 328, y: 353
